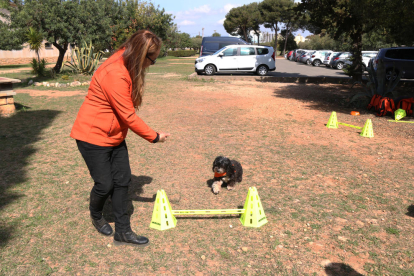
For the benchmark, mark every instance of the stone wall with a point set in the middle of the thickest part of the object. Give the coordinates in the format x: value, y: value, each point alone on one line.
x: 14, y: 61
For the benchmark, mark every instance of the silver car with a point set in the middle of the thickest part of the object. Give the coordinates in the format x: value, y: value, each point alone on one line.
x: 328, y: 58
x: 305, y: 58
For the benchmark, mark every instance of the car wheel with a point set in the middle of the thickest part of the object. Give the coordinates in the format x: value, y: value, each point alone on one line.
x: 340, y: 65
x: 262, y: 70
x: 308, y: 62
x: 316, y: 63
x: 210, y: 69
x: 391, y: 74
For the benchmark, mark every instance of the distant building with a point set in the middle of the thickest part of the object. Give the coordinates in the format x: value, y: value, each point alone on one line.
x: 300, y: 38
x: 25, y: 55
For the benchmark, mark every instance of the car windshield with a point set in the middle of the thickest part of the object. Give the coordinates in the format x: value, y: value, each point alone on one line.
x: 219, y: 51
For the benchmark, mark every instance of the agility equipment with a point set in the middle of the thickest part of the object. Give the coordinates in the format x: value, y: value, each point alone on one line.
x: 367, y: 130
x: 401, y: 121
x: 355, y: 113
x: 399, y: 114
x: 343, y: 124
x: 252, y: 214
x: 333, y: 121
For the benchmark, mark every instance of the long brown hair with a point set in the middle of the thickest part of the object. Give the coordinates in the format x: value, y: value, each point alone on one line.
x: 137, y: 48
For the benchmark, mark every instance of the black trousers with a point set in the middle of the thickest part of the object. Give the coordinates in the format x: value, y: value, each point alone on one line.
x: 109, y: 168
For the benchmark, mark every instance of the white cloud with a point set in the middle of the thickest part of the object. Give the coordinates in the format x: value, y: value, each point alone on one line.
x: 228, y: 7
x: 221, y: 22
x: 202, y: 9
x: 187, y: 23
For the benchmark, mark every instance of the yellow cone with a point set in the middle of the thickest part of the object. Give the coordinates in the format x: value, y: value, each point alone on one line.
x: 162, y: 217
x: 253, y: 215
x: 367, y: 130
x: 399, y: 114
x: 333, y: 121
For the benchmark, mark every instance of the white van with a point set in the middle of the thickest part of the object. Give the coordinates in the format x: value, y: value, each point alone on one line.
x: 238, y: 58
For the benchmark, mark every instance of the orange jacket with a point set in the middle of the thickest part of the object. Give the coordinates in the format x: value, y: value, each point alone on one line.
x: 108, y: 111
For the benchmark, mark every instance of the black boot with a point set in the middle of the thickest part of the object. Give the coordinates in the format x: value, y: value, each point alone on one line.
x: 130, y: 238
x: 102, y: 226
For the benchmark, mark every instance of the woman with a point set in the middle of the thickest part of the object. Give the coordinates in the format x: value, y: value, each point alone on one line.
x: 101, y: 126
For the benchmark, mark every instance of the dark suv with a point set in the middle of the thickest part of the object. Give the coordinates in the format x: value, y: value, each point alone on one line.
x: 397, y: 59
x: 212, y: 44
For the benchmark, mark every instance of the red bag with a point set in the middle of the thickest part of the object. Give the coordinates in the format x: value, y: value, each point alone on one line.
x: 385, y: 106
x: 374, y: 102
x: 406, y: 104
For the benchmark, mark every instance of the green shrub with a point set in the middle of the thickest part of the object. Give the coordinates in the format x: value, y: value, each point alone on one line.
x: 39, y: 68
x: 182, y: 53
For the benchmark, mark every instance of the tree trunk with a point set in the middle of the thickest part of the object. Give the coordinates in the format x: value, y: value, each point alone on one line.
x: 62, y: 51
x: 286, y: 39
x: 38, y: 57
x: 245, y: 34
x: 276, y: 39
x: 357, y: 55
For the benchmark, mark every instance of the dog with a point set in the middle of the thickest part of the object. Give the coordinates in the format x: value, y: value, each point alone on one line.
x: 227, y: 171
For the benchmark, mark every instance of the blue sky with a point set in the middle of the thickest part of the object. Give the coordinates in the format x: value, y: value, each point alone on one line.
x: 192, y: 16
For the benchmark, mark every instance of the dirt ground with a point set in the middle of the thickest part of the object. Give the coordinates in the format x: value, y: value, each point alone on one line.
x: 337, y: 203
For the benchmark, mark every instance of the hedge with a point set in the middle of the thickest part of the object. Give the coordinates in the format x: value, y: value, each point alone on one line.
x: 182, y: 53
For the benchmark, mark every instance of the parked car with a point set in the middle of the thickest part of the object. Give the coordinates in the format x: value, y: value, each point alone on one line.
x: 238, y: 58
x: 289, y: 54
x: 318, y: 57
x: 305, y: 58
x: 211, y: 44
x: 299, y: 54
x: 328, y: 57
x: 398, y: 59
x: 295, y: 54
x: 338, y: 61
x: 366, y: 57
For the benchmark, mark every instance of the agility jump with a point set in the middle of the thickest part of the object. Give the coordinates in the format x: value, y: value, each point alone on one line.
x: 252, y: 214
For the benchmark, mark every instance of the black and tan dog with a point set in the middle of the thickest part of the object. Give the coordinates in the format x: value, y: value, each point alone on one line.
x: 227, y: 171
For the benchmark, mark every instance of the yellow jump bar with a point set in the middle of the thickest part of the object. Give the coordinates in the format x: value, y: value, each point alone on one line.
x: 209, y: 212
x: 400, y: 121
x: 357, y: 127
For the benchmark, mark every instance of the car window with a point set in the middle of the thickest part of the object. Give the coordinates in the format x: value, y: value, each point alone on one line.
x: 407, y: 54
x: 211, y: 46
x: 218, y: 51
x: 247, y: 51
x: 262, y: 51
x: 230, y: 52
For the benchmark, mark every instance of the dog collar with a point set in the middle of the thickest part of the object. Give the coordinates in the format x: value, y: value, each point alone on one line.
x: 219, y: 174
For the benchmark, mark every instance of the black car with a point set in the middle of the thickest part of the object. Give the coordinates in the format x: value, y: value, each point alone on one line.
x: 212, y: 44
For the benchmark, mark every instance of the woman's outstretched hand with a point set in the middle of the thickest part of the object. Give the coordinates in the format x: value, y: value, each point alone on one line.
x: 163, y: 136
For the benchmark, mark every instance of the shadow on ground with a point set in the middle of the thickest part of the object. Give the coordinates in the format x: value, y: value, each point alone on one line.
x: 323, y: 98
x: 410, y: 210
x: 340, y: 269
x: 18, y: 133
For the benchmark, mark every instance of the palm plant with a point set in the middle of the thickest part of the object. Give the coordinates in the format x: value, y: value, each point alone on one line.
x: 35, y: 39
